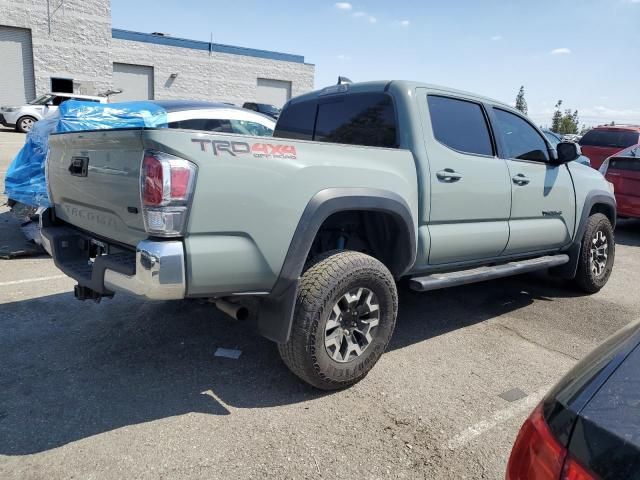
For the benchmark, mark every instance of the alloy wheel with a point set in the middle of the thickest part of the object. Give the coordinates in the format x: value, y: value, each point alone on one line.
x: 352, y: 325
x: 26, y: 124
x: 598, y: 253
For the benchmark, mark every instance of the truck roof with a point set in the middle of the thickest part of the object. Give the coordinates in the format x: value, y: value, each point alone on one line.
x: 383, y: 85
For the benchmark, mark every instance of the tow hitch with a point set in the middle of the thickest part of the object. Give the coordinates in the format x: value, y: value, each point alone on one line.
x: 85, y: 293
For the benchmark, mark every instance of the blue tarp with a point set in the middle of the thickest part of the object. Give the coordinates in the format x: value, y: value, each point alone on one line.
x: 25, y: 179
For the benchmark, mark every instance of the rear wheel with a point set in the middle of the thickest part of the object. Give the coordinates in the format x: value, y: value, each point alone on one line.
x: 344, y: 318
x: 596, y: 255
x: 25, y: 124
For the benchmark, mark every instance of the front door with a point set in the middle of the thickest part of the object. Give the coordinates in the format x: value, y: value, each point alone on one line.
x: 543, y: 199
x: 470, y: 190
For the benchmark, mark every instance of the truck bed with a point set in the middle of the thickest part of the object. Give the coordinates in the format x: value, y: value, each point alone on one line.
x: 250, y: 193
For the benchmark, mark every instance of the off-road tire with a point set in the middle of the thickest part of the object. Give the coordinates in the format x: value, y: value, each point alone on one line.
x: 585, y: 279
x: 325, y: 281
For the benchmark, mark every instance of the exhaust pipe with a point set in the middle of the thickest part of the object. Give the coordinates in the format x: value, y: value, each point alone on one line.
x: 235, y: 311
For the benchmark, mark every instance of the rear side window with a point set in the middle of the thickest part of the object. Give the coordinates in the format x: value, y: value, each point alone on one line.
x: 609, y: 138
x: 365, y: 119
x: 621, y: 163
x: 205, y: 124
x: 244, y: 127
x: 296, y: 121
x: 460, y: 125
x: 522, y: 141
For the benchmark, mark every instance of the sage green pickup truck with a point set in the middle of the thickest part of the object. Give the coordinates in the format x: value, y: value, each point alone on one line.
x: 363, y: 185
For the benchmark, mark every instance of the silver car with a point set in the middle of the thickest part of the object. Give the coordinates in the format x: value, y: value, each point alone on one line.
x: 23, y: 117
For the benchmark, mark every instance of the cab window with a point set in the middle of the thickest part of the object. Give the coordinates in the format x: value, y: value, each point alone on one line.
x: 460, y: 125
x: 296, y: 121
x: 357, y: 119
x: 521, y: 140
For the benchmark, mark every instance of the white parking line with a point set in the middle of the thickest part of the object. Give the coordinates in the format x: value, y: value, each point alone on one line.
x: 29, y: 280
x: 498, y: 418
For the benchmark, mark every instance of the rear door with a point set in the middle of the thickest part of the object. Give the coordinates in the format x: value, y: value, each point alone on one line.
x: 470, y: 189
x: 543, y: 198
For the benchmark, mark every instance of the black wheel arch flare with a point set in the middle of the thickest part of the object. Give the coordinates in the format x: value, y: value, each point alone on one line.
x: 276, y: 310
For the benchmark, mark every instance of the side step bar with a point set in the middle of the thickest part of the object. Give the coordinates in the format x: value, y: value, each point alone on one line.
x: 462, y: 277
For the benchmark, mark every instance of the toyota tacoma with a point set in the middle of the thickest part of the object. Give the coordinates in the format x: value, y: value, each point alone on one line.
x: 363, y: 185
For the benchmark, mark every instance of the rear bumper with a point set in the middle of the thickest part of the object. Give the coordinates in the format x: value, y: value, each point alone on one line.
x: 155, y: 271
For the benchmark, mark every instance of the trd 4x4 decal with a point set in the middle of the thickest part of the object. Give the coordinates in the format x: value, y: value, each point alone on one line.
x: 258, y: 150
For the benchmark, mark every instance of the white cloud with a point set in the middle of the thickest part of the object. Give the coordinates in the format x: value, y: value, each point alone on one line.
x: 362, y: 14
x: 495, y: 38
x: 404, y: 23
x: 633, y: 1
x: 343, y: 57
x: 560, y: 51
x: 343, y: 6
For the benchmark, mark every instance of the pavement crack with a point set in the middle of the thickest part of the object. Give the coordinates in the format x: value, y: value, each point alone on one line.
x: 538, y: 344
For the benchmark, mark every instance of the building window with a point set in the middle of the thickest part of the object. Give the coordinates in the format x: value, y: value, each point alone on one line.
x: 61, y: 85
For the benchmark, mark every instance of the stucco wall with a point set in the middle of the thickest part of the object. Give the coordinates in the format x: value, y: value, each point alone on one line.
x: 78, y: 45
x: 209, y: 76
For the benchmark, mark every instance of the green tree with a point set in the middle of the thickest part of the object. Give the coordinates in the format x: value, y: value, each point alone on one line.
x: 564, y: 122
x: 521, y: 103
x: 557, y: 117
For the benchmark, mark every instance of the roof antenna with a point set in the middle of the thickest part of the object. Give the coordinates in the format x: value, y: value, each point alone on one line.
x: 344, y: 80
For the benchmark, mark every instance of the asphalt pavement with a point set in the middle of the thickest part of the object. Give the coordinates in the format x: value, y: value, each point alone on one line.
x: 132, y: 389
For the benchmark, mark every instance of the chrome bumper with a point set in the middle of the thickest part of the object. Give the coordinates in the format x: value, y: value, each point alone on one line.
x: 156, y: 271
x: 159, y: 273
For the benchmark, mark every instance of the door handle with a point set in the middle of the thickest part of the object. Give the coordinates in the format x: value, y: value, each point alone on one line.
x: 448, y: 175
x: 520, y: 179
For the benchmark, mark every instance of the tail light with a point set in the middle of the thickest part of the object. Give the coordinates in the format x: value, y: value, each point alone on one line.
x: 167, y: 187
x: 537, y: 454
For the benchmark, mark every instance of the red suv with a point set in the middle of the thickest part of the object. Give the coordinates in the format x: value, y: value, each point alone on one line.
x: 623, y: 170
x: 604, y: 141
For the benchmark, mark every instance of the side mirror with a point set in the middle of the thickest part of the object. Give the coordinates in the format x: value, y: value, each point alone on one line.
x: 567, y: 152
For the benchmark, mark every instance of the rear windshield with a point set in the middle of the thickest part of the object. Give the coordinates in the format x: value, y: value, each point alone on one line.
x: 610, y: 138
x: 629, y: 164
x: 357, y: 119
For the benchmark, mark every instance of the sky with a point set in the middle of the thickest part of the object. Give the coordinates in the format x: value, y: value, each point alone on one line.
x: 584, y: 52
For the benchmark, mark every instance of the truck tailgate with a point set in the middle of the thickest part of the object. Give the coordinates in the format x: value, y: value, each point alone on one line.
x: 94, y: 178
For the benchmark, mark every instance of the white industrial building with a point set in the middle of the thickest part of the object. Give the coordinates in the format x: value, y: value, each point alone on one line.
x: 70, y: 46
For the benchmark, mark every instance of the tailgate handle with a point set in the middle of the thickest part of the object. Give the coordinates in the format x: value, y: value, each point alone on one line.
x: 79, y: 166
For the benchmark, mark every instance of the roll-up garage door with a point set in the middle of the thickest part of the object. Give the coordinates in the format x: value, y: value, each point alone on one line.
x: 17, y: 85
x: 136, y: 81
x: 273, y: 92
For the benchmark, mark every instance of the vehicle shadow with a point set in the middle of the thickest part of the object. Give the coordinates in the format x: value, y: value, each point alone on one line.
x: 73, y: 369
x: 628, y: 232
